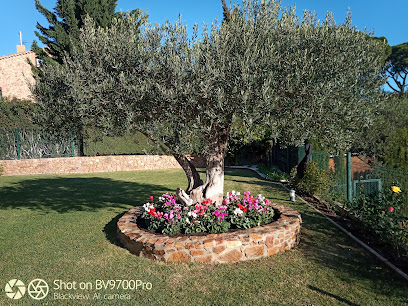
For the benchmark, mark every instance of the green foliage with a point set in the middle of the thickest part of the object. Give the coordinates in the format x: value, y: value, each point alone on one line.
x: 95, y: 143
x: 65, y: 23
x: 1, y: 169
x: 398, y: 68
x: 240, y: 151
x: 321, y: 159
x: 273, y: 173
x: 396, y: 149
x: 382, y: 214
x: 168, y: 217
x: 391, y: 118
x: 17, y: 114
x: 316, y: 181
x: 163, y: 81
x: 77, y: 208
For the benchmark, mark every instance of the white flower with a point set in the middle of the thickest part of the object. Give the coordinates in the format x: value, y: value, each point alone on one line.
x: 188, y: 220
x: 233, y: 192
x: 148, y: 206
x: 238, y: 193
x: 161, y: 199
x: 238, y: 211
x: 192, y: 214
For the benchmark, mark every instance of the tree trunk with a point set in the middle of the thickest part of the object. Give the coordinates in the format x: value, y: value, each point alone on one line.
x: 191, y: 172
x: 214, y: 186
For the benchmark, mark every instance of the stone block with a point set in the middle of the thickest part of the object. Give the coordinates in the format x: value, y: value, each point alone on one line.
x: 179, y: 257
x: 234, y: 244
x: 254, y: 251
x: 219, y: 249
x: 231, y: 256
x: 197, y: 252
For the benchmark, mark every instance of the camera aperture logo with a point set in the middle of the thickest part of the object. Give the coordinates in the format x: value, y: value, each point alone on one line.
x: 37, y: 289
x: 15, y: 289
x: 108, y: 289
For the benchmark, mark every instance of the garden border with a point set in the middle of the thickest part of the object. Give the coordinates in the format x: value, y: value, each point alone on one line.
x: 373, y: 252
x: 239, y: 245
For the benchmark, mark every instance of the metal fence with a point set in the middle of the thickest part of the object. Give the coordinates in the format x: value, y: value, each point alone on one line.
x: 33, y: 143
x: 372, y: 177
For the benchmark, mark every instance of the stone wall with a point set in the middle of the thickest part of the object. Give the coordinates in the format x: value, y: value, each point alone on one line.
x: 112, y: 163
x: 254, y: 243
x: 15, y: 75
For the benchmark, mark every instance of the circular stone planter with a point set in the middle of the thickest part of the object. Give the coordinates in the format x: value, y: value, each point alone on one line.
x: 240, y: 245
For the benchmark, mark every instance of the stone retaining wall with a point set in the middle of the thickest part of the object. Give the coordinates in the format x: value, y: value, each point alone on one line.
x: 261, y: 241
x: 90, y: 164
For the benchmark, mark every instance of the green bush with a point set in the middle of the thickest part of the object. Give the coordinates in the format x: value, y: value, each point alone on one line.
x: 17, y: 114
x: 1, y: 169
x: 273, y: 173
x: 315, y: 181
x: 396, y: 149
x: 95, y: 143
x: 382, y: 214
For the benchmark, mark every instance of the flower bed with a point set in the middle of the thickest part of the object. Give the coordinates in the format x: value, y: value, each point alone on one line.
x: 241, y: 244
x: 381, y: 213
x: 167, y: 216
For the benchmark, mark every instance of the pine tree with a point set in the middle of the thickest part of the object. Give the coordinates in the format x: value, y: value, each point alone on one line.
x: 64, y: 30
x: 65, y: 24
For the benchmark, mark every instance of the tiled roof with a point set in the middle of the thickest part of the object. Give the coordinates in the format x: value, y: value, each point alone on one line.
x: 15, y: 55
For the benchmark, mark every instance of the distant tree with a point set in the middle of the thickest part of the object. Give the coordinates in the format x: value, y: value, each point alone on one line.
x: 396, y: 149
x: 397, y: 68
x: 263, y: 69
x: 65, y: 23
x: 17, y: 114
x: 390, y: 116
x: 62, y: 36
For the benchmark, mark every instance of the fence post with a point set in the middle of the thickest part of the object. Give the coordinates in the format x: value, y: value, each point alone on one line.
x: 349, y: 183
x: 72, y: 145
x: 18, y: 144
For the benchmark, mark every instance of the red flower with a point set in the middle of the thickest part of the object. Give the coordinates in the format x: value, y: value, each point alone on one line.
x: 390, y: 209
x: 152, y: 211
x: 151, y: 198
x: 243, y: 208
x: 208, y: 202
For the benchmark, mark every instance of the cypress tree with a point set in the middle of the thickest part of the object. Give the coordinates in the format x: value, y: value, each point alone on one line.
x: 64, y: 31
x: 65, y: 23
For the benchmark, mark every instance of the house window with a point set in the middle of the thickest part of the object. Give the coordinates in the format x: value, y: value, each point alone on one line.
x: 38, y: 62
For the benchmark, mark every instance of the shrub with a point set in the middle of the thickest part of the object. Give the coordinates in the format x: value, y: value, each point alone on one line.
x: 381, y: 213
x: 272, y: 172
x: 169, y: 217
x: 396, y: 149
x: 315, y: 181
x: 1, y: 169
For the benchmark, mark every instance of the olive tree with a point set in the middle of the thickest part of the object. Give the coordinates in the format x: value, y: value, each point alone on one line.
x: 263, y: 68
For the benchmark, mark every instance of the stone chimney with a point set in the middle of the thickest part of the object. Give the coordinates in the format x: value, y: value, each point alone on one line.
x: 21, y: 48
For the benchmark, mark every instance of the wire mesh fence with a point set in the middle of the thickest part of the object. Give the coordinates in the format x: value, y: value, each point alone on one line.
x: 33, y: 143
x: 365, y: 177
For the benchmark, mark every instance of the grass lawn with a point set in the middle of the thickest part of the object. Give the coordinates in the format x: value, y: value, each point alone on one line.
x: 62, y: 228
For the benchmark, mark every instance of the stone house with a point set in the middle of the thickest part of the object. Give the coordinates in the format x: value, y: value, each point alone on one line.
x: 15, y: 74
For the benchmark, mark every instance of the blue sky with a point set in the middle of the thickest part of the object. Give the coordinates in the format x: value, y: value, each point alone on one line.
x: 385, y: 18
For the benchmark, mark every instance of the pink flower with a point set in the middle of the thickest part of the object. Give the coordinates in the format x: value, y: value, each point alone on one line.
x: 390, y: 209
x: 151, y: 198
